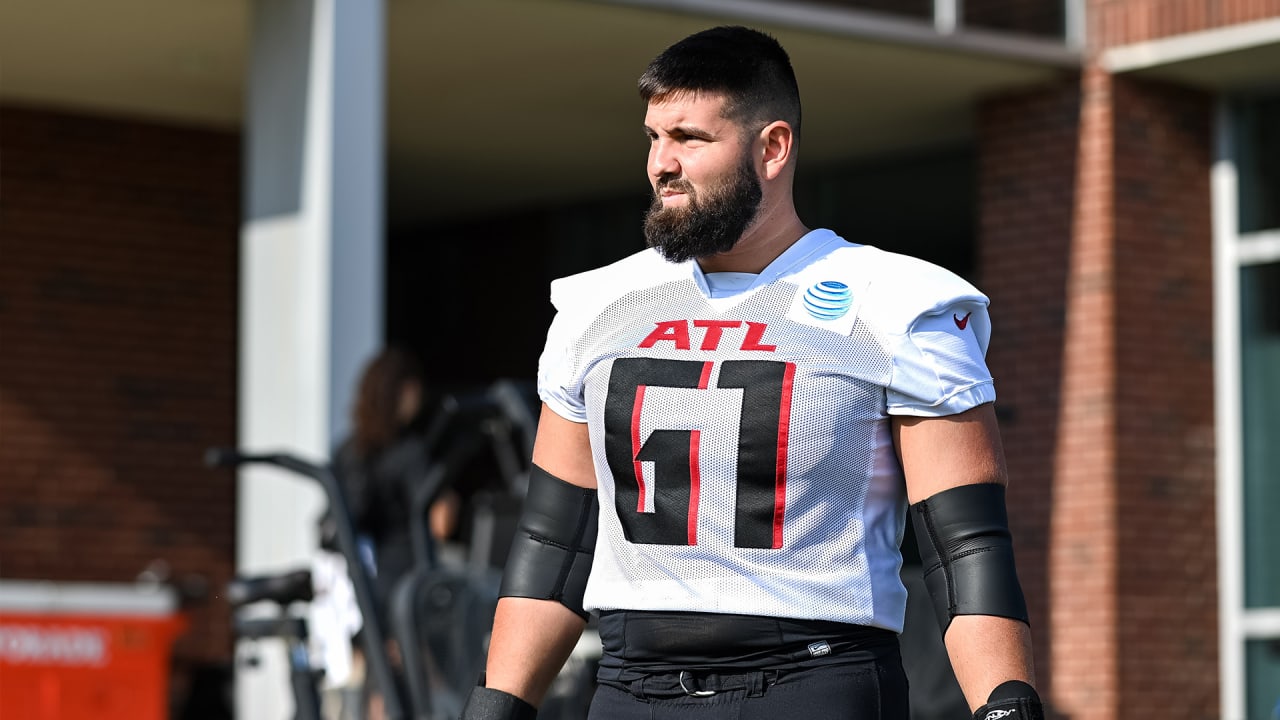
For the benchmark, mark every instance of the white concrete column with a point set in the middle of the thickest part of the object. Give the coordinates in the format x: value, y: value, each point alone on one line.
x: 311, y: 271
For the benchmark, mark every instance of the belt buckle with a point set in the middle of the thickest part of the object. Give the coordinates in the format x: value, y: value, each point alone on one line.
x: 693, y: 693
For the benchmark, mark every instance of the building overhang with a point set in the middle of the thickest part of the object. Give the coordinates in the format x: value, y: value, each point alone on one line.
x: 1236, y: 58
x: 498, y: 105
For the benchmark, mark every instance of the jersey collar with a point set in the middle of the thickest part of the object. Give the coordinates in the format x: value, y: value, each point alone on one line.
x: 812, y: 244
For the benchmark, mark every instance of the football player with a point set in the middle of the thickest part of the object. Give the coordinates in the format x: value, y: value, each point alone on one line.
x: 736, y: 422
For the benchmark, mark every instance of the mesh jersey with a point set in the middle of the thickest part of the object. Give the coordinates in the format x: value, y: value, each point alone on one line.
x: 742, y: 443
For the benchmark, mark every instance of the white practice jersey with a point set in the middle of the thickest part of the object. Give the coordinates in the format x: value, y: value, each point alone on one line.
x: 742, y: 443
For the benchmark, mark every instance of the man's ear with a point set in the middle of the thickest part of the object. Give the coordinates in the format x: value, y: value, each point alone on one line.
x: 777, y: 143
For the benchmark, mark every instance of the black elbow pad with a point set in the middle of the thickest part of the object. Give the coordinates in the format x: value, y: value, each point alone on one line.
x: 554, y: 542
x: 967, y: 551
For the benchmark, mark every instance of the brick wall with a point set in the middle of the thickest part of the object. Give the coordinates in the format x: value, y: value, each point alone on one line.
x: 1028, y: 159
x: 1167, y: 581
x: 1120, y: 22
x: 118, y: 266
x: 1082, y: 561
x: 1095, y: 246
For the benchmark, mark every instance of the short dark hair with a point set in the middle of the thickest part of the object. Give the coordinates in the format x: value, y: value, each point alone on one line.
x: 749, y: 67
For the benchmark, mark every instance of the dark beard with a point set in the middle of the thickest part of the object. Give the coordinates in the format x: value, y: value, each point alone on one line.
x: 705, y: 226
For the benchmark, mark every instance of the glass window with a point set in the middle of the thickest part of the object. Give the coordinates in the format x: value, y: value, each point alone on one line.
x: 1041, y: 19
x: 1257, y: 136
x: 1262, y: 660
x: 1260, y: 391
x: 918, y: 9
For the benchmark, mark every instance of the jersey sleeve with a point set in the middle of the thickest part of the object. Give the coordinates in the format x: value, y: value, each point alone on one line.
x: 557, y: 386
x: 939, y: 363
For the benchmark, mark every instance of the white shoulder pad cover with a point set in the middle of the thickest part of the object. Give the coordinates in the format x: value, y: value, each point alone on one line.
x: 938, y: 328
x: 578, y: 300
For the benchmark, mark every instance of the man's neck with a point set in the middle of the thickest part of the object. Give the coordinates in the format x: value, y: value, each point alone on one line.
x: 763, y: 242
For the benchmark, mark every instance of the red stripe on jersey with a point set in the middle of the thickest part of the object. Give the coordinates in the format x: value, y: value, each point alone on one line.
x: 635, y: 445
x: 705, y: 380
x: 695, y: 467
x: 784, y: 429
x: 695, y: 481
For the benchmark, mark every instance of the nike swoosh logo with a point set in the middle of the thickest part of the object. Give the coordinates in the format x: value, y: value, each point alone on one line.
x: 961, y: 322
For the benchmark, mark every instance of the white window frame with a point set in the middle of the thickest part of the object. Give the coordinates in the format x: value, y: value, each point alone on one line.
x: 1233, y: 250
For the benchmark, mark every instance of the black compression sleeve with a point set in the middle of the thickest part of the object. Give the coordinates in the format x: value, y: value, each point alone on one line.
x: 967, y: 550
x: 551, y: 552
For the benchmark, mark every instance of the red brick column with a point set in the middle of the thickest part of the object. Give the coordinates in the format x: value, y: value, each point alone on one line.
x: 1095, y: 248
x: 1167, y: 572
x: 1083, y: 548
x: 1027, y: 167
x: 1046, y: 260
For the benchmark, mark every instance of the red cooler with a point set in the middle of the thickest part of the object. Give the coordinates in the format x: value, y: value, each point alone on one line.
x: 81, y: 651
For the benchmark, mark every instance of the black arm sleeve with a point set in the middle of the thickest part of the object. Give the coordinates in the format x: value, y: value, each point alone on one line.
x: 967, y: 553
x: 551, y: 552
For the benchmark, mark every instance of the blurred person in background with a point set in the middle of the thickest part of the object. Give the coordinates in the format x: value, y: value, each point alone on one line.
x: 382, y: 463
x: 380, y: 467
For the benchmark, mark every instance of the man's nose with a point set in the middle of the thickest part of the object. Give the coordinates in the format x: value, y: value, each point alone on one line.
x: 662, y: 161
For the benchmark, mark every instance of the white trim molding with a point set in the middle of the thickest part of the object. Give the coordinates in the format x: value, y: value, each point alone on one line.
x: 1258, y: 248
x: 1233, y: 250
x: 1264, y: 624
x: 1190, y: 46
x: 1226, y: 364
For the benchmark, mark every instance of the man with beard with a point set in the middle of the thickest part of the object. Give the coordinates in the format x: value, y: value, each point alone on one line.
x: 735, y: 424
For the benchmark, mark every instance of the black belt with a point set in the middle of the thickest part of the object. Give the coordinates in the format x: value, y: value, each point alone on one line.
x: 689, y: 683
x: 658, y: 642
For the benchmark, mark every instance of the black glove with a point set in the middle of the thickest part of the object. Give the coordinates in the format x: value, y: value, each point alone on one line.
x: 489, y: 704
x: 1013, y: 700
